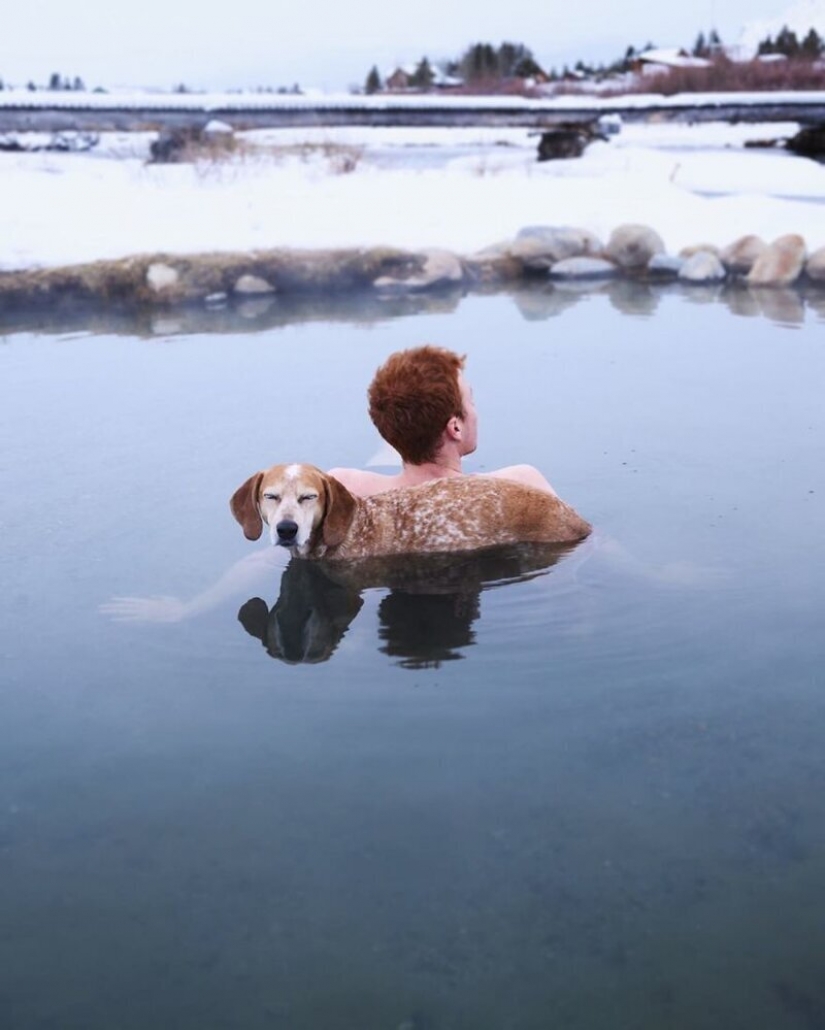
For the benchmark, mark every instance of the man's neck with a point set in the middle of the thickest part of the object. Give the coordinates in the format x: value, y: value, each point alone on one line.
x: 427, y: 470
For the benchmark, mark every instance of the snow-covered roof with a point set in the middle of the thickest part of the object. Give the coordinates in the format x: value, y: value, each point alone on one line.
x: 672, y: 58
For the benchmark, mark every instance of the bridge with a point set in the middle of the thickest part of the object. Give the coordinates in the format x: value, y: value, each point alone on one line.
x: 46, y: 111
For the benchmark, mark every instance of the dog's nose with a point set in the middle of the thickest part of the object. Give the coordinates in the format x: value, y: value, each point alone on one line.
x: 287, y: 530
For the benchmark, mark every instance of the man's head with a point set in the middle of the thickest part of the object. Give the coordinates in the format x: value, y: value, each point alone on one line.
x: 413, y: 398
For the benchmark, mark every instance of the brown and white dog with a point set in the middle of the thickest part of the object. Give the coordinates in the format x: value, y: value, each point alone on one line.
x: 315, y: 516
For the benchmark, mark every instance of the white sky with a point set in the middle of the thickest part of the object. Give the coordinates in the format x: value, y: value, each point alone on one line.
x: 329, y: 43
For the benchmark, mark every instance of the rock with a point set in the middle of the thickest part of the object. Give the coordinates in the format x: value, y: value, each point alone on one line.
x: 538, y: 247
x: 215, y: 300
x: 815, y: 265
x: 780, y: 264
x: 809, y: 141
x: 664, y: 266
x: 696, y: 248
x: 567, y: 140
x: 172, y: 145
x: 216, y: 127
x: 440, y: 268
x: 702, y: 267
x: 161, y: 278
x: 632, y: 246
x: 739, y: 257
x: 583, y: 268
x: 253, y: 284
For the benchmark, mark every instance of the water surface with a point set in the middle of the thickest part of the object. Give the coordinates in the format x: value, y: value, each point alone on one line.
x: 523, y: 793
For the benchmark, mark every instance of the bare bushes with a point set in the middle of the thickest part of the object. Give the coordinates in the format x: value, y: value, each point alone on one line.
x: 726, y: 76
x: 210, y: 151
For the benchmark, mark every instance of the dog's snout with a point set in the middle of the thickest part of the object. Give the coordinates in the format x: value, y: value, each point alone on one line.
x: 287, y: 530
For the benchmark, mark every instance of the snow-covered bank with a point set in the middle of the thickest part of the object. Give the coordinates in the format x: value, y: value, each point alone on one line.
x: 456, y: 189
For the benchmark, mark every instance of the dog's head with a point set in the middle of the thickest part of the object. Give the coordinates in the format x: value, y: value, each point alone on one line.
x: 306, y: 510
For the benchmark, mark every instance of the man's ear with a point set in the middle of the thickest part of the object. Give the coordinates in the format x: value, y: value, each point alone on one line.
x: 339, y: 509
x: 244, y: 506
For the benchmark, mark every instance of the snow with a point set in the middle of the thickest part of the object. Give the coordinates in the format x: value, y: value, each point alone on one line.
x: 461, y: 189
x: 240, y: 101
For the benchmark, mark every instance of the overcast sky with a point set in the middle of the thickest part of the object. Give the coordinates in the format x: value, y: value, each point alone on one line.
x: 328, y: 43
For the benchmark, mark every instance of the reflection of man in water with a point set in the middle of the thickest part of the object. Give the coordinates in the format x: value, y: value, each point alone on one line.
x: 422, y: 405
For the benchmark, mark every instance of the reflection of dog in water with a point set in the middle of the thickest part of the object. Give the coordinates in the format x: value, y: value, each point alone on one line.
x: 425, y: 619
x: 309, y: 618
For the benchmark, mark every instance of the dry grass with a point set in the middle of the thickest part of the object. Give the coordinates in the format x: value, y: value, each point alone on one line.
x: 216, y: 154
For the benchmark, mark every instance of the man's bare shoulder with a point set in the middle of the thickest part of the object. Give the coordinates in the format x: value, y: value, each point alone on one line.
x: 364, y: 484
x: 527, y: 475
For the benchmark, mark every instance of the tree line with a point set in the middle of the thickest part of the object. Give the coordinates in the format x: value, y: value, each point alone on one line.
x: 483, y: 63
x: 787, y: 43
x: 56, y: 82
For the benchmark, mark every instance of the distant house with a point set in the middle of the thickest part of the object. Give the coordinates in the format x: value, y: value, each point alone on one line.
x: 441, y: 80
x: 661, y: 58
x: 403, y: 77
x: 399, y: 79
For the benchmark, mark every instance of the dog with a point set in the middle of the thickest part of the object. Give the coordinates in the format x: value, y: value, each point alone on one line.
x: 314, y: 516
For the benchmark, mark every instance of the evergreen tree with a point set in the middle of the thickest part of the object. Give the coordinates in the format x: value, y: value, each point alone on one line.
x: 787, y: 43
x: 700, y: 47
x: 714, y: 41
x: 55, y: 81
x: 528, y: 68
x: 373, y: 83
x: 480, y: 62
x: 812, y: 45
x: 509, y: 54
x: 423, y: 76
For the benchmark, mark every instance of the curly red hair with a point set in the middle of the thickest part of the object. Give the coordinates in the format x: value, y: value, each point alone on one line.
x: 412, y: 397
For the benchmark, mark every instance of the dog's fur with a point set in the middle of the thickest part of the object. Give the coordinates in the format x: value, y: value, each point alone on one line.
x: 315, y: 516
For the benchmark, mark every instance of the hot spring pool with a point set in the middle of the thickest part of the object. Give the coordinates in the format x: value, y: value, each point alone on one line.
x: 579, y: 794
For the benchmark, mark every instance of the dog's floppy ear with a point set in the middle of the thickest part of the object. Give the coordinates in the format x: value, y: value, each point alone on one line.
x: 244, y: 505
x: 338, y: 512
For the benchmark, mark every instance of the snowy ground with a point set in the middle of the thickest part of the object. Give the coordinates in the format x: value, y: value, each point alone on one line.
x: 462, y: 189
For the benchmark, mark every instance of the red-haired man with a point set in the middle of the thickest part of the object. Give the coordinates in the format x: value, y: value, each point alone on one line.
x: 422, y: 405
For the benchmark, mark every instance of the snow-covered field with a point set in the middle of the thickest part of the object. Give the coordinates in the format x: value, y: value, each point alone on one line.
x: 462, y: 189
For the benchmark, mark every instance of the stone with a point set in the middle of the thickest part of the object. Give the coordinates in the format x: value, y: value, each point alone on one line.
x: 566, y: 141
x: 815, y: 265
x: 702, y: 267
x: 664, y: 266
x: 440, y: 268
x: 216, y: 127
x: 632, y: 246
x: 161, y: 278
x: 780, y: 264
x: 253, y: 284
x: 739, y: 257
x: 539, y: 247
x: 696, y: 248
x: 583, y: 268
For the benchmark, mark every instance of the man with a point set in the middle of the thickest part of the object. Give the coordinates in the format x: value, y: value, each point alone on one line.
x: 421, y: 404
